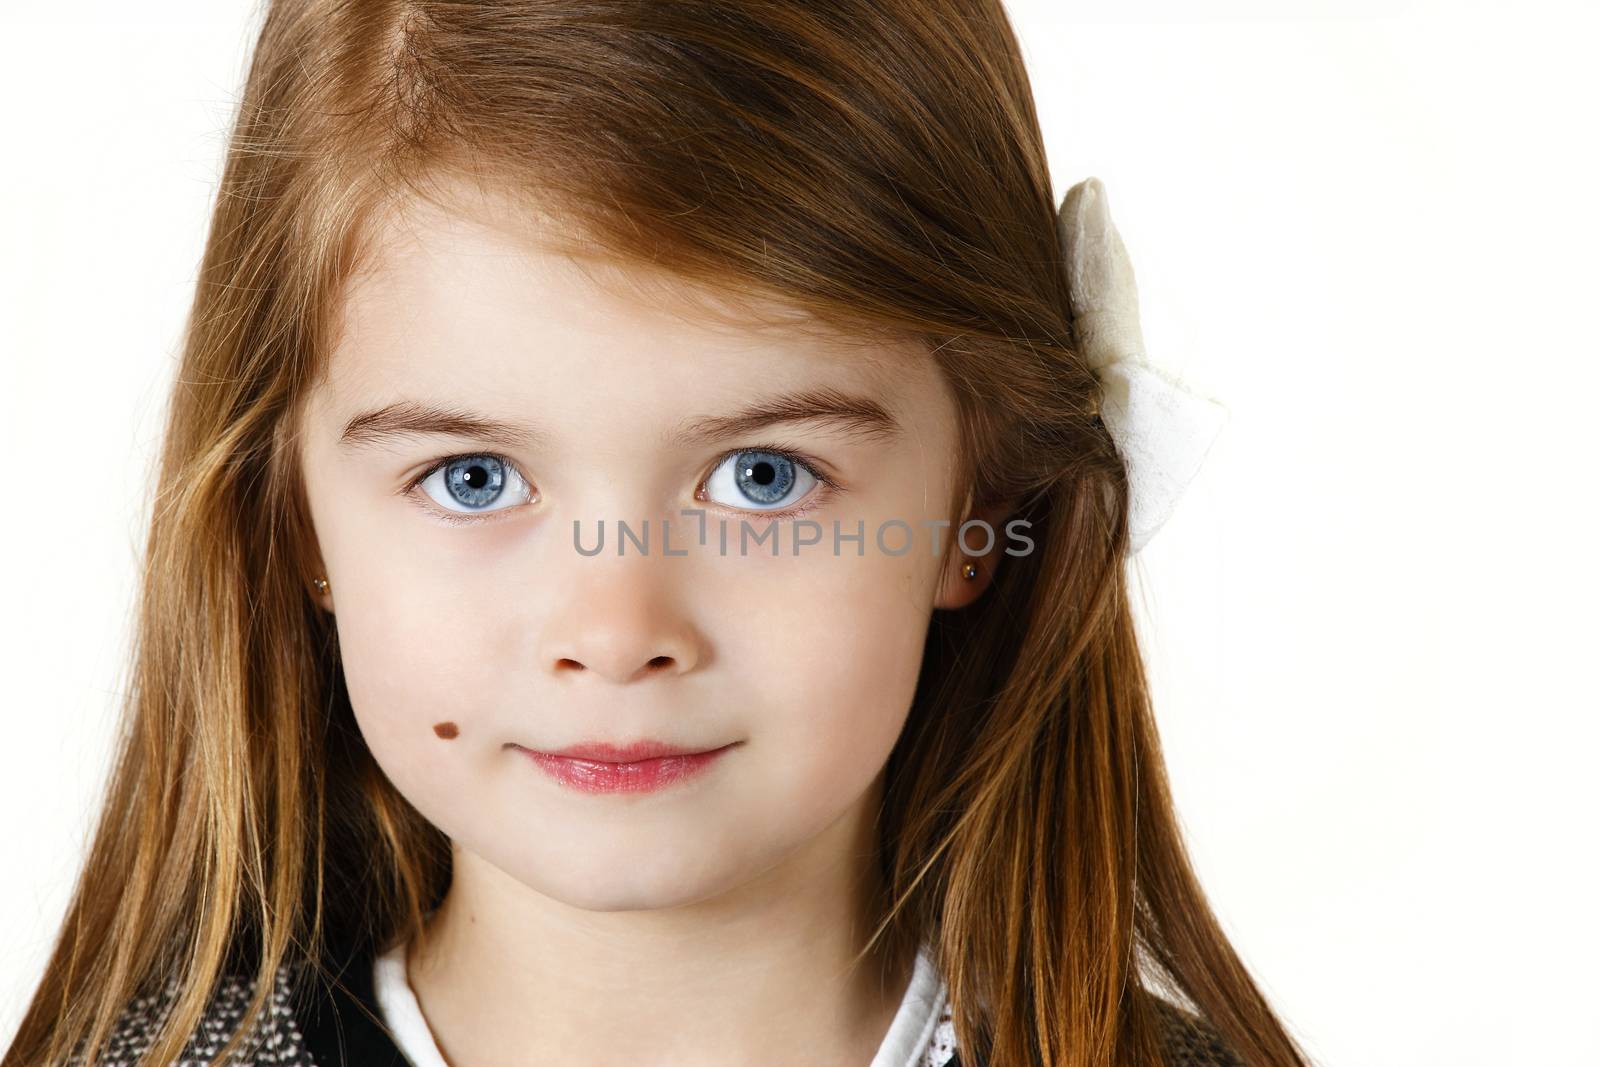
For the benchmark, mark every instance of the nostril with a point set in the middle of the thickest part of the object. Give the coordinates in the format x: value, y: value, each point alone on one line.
x: 572, y: 663
x: 660, y: 661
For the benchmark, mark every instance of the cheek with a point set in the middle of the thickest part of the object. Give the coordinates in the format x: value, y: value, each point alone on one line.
x: 414, y: 654
x: 840, y: 665
x: 417, y: 675
x: 399, y: 698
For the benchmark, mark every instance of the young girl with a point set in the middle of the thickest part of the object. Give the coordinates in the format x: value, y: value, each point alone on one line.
x: 637, y: 574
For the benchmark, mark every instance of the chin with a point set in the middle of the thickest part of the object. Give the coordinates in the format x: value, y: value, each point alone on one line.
x: 602, y: 881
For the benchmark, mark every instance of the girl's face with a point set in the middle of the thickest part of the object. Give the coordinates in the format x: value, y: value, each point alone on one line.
x: 484, y: 397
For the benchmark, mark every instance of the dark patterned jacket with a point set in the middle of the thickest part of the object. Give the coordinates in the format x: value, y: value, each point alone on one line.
x: 315, y: 1023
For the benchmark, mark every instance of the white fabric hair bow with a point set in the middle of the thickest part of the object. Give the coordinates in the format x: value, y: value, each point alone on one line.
x: 1162, y: 429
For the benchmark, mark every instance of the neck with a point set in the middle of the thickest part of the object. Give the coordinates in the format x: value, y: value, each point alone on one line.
x: 762, y: 973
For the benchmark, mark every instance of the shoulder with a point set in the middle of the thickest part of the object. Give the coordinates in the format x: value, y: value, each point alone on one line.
x: 1187, y: 1040
x: 317, y: 1014
x: 274, y: 1036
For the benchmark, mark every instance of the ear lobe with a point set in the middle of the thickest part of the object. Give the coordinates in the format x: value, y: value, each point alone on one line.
x: 957, y: 590
x: 322, y: 591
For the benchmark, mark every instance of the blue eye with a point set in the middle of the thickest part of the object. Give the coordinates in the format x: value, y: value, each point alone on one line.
x: 475, y: 483
x: 760, y: 479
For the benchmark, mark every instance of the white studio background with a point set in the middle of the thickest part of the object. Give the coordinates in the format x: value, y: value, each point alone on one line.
x: 1368, y: 228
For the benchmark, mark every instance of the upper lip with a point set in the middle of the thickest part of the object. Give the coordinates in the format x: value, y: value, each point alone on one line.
x: 606, y: 752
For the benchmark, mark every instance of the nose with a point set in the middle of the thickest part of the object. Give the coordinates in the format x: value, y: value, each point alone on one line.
x: 622, y: 622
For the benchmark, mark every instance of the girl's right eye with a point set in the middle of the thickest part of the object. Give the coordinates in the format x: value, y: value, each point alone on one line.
x: 474, y: 484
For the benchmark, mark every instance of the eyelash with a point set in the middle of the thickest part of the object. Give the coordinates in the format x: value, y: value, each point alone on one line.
x: 817, y: 469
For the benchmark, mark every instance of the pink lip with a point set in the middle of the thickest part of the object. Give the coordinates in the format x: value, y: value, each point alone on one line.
x: 640, y: 767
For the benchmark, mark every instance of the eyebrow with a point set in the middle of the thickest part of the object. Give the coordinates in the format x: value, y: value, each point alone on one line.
x: 407, y: 418
x: 861, y: 416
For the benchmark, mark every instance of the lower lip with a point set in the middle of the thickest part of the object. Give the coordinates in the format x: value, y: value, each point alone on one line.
x: 641, y: 776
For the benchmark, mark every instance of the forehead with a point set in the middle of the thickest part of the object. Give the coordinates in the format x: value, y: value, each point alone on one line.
x: 479, y: 280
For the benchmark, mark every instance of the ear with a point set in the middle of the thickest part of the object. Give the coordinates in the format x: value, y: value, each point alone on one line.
x: 955, y: 589
x: 322, y: 595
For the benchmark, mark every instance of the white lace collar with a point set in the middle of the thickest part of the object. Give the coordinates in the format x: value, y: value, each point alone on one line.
x: 921, y: 1034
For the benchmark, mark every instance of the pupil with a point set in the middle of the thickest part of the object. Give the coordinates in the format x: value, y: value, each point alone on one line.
x: 475, y: 477
x: 764, y: 481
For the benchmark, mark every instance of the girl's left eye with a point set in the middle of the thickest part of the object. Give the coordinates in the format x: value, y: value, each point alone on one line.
x: 474, y: 484
x: 762, y: 479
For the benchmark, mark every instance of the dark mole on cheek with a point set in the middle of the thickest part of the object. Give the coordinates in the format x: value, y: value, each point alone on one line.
x: 445, y: 729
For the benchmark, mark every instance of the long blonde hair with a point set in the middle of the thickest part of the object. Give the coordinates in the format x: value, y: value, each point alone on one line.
x: 875, y: 163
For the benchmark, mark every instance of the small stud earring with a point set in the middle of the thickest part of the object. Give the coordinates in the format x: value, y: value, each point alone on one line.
x: 970, y: 570
x: 321, y: 584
